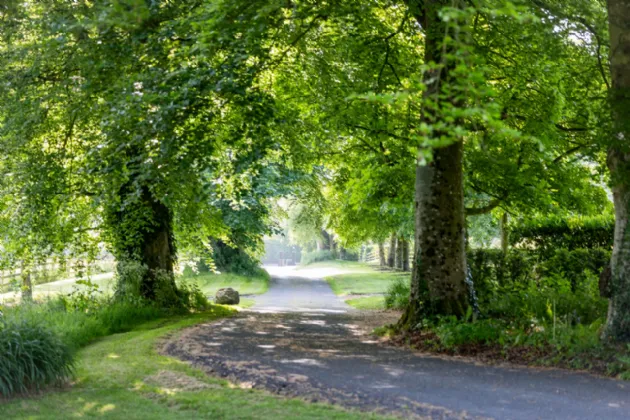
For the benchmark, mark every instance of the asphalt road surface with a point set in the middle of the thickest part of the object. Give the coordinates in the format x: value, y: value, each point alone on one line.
x: 301, y: 340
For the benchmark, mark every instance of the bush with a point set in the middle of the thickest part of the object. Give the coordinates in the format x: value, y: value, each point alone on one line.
x: 31, y: 356
x: 453, y: 333
x: 317, y: 256
x: 552, y: 233
x: 60, y: 327
x: 397, y: 295
x: 130, y: 280
x: 525, y: 288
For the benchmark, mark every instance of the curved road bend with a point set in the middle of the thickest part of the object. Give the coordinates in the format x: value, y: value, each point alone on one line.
x: 301, y: 340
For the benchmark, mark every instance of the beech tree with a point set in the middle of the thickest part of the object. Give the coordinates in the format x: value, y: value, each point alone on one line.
x: 618, y: 326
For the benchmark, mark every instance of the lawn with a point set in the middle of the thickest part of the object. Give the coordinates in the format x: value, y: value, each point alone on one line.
x: 209, y: 283
x: 346, y: 266
x: 363, y: 283
x: 123, y: 376
x: 367, y: 303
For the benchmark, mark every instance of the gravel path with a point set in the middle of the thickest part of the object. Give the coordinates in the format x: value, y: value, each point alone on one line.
x: 301, y: 340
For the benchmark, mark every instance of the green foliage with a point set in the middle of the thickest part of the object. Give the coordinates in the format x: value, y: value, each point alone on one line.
x: 130, y: 278
x: 317, y: 256
x: 83, y: 299
x: 232, y: 259
x: 492, y: 270
x: 453, y: 332
x: 397, y: 295
x: 31, y: 356
x: 38, y: 341
x: 551, y: 233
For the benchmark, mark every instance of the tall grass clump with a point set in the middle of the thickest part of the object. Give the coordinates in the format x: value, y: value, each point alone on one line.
x: 397, y: 295
x: 31, y: 356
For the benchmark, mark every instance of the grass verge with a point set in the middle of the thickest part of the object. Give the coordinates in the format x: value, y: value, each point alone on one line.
x: 371, y: 303
x: 209, y: 283
x: 123, y: 376
x: 363, y: 283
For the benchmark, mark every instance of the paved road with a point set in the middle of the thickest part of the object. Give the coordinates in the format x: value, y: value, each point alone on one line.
x: 301, y: 340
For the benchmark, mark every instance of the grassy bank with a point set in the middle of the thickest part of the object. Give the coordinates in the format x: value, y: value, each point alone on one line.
x: 209, y: 283
x: 358, y: 282
x: 124, y: 376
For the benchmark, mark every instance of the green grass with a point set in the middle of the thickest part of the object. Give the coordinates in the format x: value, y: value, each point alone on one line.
x: 112, y: 382
x: 362, y: 283
x: 367, y: 303
x: 209, y: 283
x: 349, y: 266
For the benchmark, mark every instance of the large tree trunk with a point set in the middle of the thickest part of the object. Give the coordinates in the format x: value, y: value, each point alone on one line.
x: 381, y: 254
x: 391, y: 257
x: 618, y: 325
x: 439, y: 265
x: 144, y: 234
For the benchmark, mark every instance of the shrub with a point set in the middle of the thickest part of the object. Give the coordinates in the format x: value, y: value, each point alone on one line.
x: 31, y: 356
x: 453, y: 333
x: 316, y: 256
x: 397, y: 295
x: 129, y: 289
x: 551, y: 233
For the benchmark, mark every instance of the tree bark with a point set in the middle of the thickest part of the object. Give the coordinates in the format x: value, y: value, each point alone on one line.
x: 618, y: 324
x: 504, y: 233
x: 405, y: 254
x: 439, y: 265
x: 326, y: 241
x: 27, y: 284
x: 400, y: 248
x: 391, y: 257
x: 150, y: 226
x: 381, y: 254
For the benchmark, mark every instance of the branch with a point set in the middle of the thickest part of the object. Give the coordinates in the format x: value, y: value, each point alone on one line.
x: 379, y: 131
x: 494, y: 203
x: 569, y: 152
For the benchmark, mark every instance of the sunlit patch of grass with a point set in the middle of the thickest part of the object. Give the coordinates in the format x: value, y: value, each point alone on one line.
x: 367, y: 303
x: 120, y: 387
x: 209, y: 283
x: 363, y: 283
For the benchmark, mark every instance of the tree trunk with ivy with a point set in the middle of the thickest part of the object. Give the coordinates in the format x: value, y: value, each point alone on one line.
x: 27, y: 284
x: 505, y: 233
x: 391, y: 257
x: 618, y: 325
x: 144, y: 234
x: 439, y: 264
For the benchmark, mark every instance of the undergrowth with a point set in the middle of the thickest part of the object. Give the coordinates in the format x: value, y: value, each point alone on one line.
x: 38, y: 341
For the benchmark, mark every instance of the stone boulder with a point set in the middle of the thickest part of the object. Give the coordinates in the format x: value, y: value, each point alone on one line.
x: 227, y: 296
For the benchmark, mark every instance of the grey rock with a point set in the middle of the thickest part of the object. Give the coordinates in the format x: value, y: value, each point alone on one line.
x: 227, y: 296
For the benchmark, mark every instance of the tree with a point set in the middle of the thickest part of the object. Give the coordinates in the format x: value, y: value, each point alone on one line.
x: 618, y: 325
x: 439, y: 264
